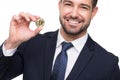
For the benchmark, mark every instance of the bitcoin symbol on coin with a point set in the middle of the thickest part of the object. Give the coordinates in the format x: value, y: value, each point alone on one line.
x: 40, y: 22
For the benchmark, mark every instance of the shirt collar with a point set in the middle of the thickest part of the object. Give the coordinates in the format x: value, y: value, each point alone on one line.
x: 78, y: 43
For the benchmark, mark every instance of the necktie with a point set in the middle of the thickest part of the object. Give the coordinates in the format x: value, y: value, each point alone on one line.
x: 61, y: 63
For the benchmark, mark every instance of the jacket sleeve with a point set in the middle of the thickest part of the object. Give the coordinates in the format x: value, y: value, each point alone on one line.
x: 115, y: 74
x: 10, y: 67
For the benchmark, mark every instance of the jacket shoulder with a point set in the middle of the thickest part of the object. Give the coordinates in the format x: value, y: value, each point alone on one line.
x: 104, y: 54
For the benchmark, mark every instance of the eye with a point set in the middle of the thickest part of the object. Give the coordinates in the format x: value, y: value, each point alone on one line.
x: 67, y: 4
x: 84, y: 7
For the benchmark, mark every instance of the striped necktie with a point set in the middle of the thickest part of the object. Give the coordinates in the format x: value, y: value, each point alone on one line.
x: 59, y: 68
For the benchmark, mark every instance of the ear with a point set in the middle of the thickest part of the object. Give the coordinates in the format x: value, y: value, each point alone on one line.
x: 59, y: 4
x: 94, y: 11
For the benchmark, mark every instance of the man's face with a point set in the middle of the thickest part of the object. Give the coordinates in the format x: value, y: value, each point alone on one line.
x: 75, y: 15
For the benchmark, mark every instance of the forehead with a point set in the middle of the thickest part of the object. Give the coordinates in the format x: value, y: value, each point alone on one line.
x: 79, y: 1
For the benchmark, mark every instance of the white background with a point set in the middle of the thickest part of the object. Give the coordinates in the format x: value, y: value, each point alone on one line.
x: 104, y: 27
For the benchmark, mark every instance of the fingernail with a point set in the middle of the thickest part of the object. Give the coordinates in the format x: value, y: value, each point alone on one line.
x: 28, y: 19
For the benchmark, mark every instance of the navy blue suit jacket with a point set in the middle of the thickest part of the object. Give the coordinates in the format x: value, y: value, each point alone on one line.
x: 34, y: 60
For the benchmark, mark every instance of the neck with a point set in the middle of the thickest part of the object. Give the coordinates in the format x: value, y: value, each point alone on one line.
x: 69, y: 37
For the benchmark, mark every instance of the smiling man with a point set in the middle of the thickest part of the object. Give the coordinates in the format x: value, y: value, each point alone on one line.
x: 66, y: 54
x: 75, y: 16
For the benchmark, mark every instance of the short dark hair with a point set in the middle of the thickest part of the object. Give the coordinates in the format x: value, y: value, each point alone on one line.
x: 94, y: 3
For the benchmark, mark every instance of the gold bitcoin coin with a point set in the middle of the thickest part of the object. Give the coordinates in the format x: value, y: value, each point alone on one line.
x: 40, y: 22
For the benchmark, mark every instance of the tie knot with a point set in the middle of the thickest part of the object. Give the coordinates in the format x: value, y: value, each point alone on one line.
x: 66, y: 45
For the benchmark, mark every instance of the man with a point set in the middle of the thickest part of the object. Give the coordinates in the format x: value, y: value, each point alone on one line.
x: 25, y: 51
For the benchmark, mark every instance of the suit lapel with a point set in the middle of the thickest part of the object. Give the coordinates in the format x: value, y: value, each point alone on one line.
x: 50, y: 43
x: 83, y: 59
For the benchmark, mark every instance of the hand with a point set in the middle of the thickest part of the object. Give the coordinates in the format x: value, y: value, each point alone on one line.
x: 19, y: 29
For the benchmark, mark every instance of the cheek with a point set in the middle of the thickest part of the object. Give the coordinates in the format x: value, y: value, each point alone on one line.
x: 65, y: 11
x: 86, y: 16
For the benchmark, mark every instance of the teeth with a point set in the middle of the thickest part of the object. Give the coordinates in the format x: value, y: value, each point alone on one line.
x: 74, y: 21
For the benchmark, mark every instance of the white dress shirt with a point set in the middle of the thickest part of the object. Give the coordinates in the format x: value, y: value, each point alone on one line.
x: 9, y: 52
x: 72, y: 53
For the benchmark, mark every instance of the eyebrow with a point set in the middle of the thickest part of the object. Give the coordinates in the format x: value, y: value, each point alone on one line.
x: 67, y: 1
x: 82, y: 4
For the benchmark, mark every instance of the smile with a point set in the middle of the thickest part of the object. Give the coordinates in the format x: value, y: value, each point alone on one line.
x: 74, y: 21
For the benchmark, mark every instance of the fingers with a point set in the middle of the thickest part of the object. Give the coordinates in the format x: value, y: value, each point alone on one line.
x: 24, y: 17
x: 37, y: 30
x: 28, y: 16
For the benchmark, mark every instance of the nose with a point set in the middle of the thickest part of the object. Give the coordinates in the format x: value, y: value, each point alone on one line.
x: 74, y: 13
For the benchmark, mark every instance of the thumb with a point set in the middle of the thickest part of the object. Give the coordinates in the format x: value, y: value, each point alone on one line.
x: 37, y: 30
